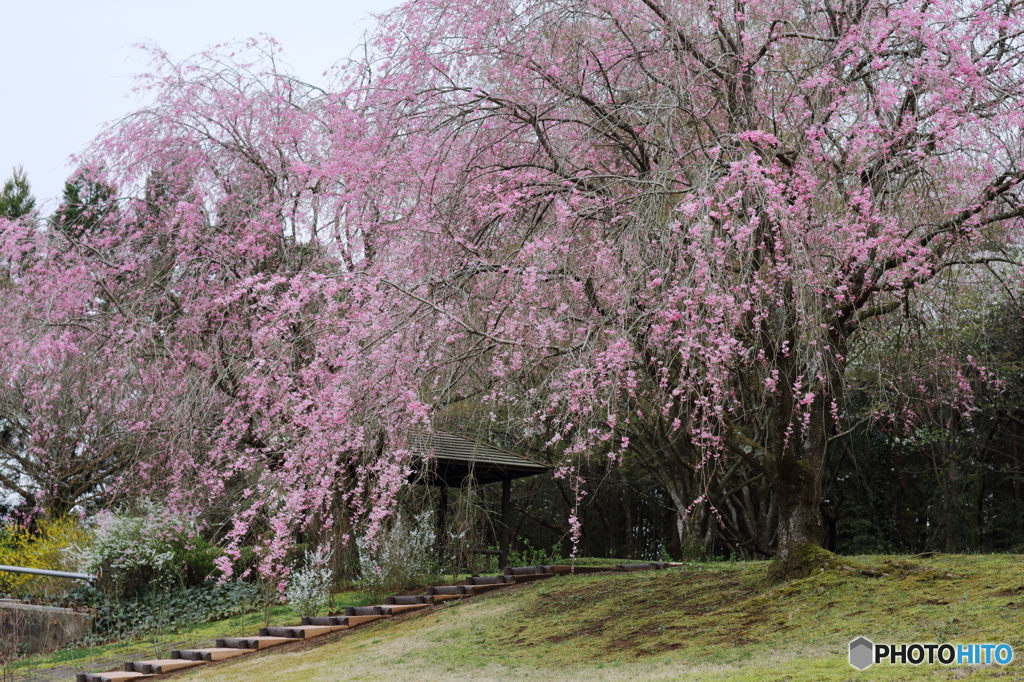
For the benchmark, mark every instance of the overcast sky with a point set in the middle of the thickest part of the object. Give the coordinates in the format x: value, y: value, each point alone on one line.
x: 68, y: 66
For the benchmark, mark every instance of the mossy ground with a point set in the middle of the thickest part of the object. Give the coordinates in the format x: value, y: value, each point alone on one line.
x: 709, y: 622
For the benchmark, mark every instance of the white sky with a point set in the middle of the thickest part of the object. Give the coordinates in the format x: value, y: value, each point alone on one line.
x: 67, y: 65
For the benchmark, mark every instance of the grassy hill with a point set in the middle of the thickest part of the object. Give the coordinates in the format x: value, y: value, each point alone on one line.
x: 708, y: 622
x: 711, y: 622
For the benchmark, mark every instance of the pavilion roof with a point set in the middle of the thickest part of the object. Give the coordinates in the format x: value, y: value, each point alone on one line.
x: 448, y: 459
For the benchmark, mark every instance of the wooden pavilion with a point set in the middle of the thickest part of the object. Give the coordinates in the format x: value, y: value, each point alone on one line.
x: 446, y: 460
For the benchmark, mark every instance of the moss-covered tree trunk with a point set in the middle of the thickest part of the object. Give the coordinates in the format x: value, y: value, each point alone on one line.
x: 798, y: 443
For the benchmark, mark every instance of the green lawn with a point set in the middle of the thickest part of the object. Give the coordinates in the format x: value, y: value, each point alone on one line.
x: 709, y: 622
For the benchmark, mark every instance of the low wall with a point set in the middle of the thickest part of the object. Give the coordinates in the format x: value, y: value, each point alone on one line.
x: 34, y: 629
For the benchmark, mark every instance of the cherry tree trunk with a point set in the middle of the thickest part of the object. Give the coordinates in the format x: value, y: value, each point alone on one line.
x: 799, y: 500
x: 797, y: 476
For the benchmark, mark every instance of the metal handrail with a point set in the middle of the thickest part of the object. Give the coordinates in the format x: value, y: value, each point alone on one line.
x: 52, y: 574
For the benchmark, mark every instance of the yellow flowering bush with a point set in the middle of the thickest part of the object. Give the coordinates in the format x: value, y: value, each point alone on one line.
x: 53, y: 546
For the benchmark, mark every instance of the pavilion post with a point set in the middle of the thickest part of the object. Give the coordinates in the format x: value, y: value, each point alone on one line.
x: 442, y: 526
x: 506, y: 502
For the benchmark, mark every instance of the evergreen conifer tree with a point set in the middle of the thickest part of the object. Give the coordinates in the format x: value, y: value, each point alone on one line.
x: 16, y: 198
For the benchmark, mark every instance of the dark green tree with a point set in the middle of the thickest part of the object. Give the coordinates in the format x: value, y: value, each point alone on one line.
x: 85, y: 204
x: 16, y: 198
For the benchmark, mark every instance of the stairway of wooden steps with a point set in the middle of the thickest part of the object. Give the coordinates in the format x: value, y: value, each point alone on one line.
x: 316, y: 626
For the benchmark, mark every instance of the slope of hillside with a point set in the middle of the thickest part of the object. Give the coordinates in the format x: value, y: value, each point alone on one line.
x: 704, y: 622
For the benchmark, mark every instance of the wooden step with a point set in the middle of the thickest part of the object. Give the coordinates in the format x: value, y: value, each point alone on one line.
x: 253, y: 642
x: 527, y: 578
x: 408, y: 599
x: 447, y: 591
x: 439, y: 598
x: 307, y: 631
x: 396, y: 609
x: 488, y: 580
x: 160, y: 666
x: 525, y: 570
x: 301, y: 631
x: 323, y: 620
x: 353, y: 621
x: 347, y: 621
x: 480, y: 589
x: 375, y: 610
x: 210, y: 653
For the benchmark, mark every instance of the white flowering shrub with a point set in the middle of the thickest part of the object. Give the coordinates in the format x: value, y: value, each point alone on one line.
x: 403, y: 556
x: 154, y: 550
x: 309, y: 589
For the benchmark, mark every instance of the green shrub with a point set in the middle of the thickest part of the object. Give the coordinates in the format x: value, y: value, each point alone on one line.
x: 121, y: 618
x: 155, y: 551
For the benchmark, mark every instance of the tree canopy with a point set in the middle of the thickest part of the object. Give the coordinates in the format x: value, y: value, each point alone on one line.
x: 602, y: 229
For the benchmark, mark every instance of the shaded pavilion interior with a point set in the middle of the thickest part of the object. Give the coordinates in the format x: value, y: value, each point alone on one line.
x: 446, y: 460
